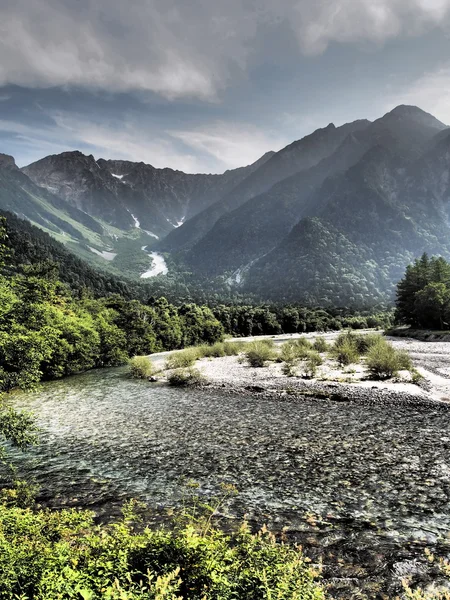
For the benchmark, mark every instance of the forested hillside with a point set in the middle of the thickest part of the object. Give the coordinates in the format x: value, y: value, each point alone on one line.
x: 330, y: 220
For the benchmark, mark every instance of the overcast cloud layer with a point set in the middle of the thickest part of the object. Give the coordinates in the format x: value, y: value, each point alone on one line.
x: 206, y: 85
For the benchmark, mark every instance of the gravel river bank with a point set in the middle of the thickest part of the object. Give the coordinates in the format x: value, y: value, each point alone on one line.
x: 364, y: 487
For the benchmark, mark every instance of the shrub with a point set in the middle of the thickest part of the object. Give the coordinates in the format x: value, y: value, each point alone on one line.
x: 404, y: 360
x: 185, y: 377
x: 346, y: 352
x: 64, y: 554
x: 214, y: 351
x: 365, y: 342
x: 289, y: 369
x: 259, y: 353
x: 295, y: 349
x: 312, y: 361
x: 267, y: 342
x: 320, y: 344
x: 182, y: 359
x: 233, y: 348
x: 416, y: 377
x: 141, y: 367
x: 288, y: 352
x: 303, y: 342
x: 383, y: 361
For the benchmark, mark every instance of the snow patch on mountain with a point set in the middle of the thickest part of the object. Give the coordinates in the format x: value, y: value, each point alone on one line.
x: 152, y: 234
x: 104, y: 254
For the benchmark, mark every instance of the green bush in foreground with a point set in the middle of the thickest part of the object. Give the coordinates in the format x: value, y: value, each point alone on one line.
x: 259, y: 353
x: 48, y: 555
x: 384, y: 361
x: 141, y: 367
x: 185, y: 377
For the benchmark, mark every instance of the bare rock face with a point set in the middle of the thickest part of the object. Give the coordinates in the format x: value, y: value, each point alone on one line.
x: 7, y: 162
x: 130, y: 194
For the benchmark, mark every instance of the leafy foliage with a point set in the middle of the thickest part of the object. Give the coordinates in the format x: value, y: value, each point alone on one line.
x: 384, y: 361
x: 141, y: 367
x: 423, y: 295
x: 51, y: 555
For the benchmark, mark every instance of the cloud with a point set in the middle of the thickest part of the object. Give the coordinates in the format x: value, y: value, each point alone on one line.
x: 232, y: 145
x: 125, y: 140
x: 181, y: 49
x: 212, y: 148
x: 431, y: 92
x: 319, y: 23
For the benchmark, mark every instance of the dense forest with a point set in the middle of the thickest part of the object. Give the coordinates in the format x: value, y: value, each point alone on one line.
x: 423, y: 295
x: 30, y: 248
x: 46, y: 332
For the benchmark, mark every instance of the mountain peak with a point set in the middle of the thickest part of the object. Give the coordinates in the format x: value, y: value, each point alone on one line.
x: 7, y: 162
x: 413, y: 113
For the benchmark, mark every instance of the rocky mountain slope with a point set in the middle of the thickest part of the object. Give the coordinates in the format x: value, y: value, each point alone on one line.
x: 20, y: 195
x: 369, y: 223
x: 298, y: 156
x: 127, y: 194
x: 256, y: 227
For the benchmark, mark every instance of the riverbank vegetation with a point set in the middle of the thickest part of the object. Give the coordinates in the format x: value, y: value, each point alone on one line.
x: 370, y: 353
x: 141, y: 367
x: 47, y: 333
x: 423, y: 295
x: 48, y: 555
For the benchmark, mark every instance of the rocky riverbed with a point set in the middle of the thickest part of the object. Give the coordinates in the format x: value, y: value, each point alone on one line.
x: 432, y: 361
x: 364, y: 486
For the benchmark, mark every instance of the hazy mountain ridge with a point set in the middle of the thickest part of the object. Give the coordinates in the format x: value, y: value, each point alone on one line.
x: 374, y: 222
x: 258, y: 225
x: 126, y: 194
x: 298, y: 156
x: 332, y: 218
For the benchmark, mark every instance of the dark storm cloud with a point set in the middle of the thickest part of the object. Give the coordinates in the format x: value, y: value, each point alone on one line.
x: 205, y: 85
x: 179, y: 48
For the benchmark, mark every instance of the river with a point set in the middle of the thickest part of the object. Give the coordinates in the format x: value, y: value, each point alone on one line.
x: 159, y: 266
x: 378, y: 480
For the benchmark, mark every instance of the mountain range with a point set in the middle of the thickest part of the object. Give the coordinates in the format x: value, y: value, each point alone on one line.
x: 331, y: 219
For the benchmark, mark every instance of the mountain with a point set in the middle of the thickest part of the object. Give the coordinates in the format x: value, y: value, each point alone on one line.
x: 377, y: 217
x: 298, y: 156
x: 242, y: 236
x: 127, y: 194
x: 331, y: 219
x: 20, y: 195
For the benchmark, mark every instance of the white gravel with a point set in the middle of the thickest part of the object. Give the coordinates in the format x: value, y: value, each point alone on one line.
x: 432, y: 360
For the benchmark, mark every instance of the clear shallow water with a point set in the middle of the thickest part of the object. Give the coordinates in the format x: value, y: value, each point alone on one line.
x: 378, y: 478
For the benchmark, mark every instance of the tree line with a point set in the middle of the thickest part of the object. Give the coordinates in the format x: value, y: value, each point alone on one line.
x: 423, y: 295
x: 46, y: 332
x: 58, y: 316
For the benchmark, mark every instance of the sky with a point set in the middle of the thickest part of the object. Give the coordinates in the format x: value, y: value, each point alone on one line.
x: 210, y: 85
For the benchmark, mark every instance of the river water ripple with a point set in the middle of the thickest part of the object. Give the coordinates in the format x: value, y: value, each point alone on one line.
x: 377, y: 479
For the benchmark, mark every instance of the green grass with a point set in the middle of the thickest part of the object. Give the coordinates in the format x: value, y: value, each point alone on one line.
x: 183, y: 358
